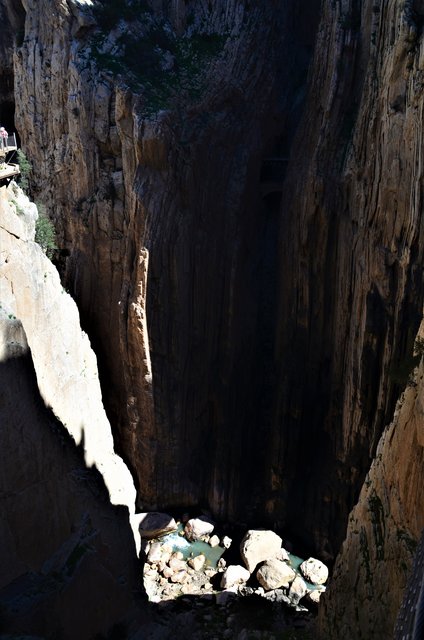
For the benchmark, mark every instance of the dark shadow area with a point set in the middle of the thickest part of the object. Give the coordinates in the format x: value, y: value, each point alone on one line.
x: 68, y: 567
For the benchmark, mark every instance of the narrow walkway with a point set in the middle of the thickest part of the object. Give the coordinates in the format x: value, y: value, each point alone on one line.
x: 7, y: 174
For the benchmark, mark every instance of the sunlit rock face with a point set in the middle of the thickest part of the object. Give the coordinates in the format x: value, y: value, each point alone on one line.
x: 65, y: 548
x: 65, y: 365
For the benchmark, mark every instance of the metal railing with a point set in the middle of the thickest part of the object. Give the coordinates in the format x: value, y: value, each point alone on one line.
x: 8, y: 143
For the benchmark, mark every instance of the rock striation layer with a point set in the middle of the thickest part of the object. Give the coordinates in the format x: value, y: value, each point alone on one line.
x: 163, y: 226
x: 248, y: 261
x: 384, y: 529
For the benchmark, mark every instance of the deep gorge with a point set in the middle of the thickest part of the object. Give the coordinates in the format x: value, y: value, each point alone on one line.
x: 245, y: 254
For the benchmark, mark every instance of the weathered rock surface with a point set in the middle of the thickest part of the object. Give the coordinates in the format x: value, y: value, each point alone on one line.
x: 273, y: 574
x: 314, y: 571
x: 297, y: 590
x: 258, y: 546
x: 197, y: 528
x: 64, y: 548
x: 30, y: 289
x: 234, y: 575
x: 153, y: 524
x: 384, y: 528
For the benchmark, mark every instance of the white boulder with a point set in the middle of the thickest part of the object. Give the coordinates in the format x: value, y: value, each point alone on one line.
x: 226, y: 542
x: 198, y: 562
x: 257, y: 546
x: 274, y: 574
x: 197, y: 528
x: 298, y: 589
x: 315, y: 595
x: 234, y: 575
x: 214, y: 541
x: 314, y: 571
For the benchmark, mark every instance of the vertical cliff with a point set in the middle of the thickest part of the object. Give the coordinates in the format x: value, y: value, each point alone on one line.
x: 383, y: 531
x: 66, y: 546
x: 239, y: 209
x: 351, y: 275
x: 159, y: 204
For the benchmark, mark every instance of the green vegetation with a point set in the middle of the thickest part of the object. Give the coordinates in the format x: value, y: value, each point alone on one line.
x: 19, y: 210
x: 152, y: 59
x: 25, y: 169
x: 110, y: 12
x: 45, y: 234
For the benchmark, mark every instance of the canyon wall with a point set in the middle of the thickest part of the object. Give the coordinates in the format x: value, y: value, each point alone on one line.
x: 164, y: 230
x: 245, y: 252
x: 384, y: 529
x: 351, y: 306
x: 66, y: 548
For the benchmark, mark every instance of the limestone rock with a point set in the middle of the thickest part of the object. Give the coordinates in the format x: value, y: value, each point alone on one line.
x: 298, y: 589
x: 197, y: 528
x: 314, y: 571
x: 155, y: 553
x: 233, y: 576
x: 153, y: 525
x: 273, y: 574
x: 197, y: 563
x: 226, y: 542
x: 315, y: 595
x: 258, y: 546
x: 176, y: 564
x: 283, y: 555
x: 214, y: 541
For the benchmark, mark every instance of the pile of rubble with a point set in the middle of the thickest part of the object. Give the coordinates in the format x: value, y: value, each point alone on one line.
x: 178, y: 562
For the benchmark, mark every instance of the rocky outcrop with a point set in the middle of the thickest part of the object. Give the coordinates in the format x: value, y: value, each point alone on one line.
x: 65, y: 547
x: 383, y: 532
x: 64, y: 363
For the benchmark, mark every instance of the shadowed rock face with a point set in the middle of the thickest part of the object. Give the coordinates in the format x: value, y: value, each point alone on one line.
x: 246, y: 329
x: 169, y: 242
x: 65, y: 549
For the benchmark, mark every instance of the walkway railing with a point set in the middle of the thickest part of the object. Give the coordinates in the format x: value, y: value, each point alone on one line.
x: 8, y: 144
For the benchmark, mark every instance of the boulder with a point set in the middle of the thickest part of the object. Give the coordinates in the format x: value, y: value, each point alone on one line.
x: 177, y: 565
x: 153, y: 525
x: 197, y: 528
x: 298, y: 589
x: 257, y: 546
x: 315, y: 595
x: 226, y: 542
x: 155, y: 553
x: 180, y: 577
x: 198, y: 562
x: 314, y: 571
x: 283, y: 555
x: 234, y: 575
x: 274, y: 574
x: 214, y: 541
